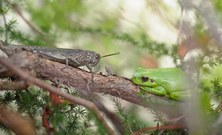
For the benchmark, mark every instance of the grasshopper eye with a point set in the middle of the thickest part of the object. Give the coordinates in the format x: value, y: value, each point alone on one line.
x: 97, y: 56
x: 144, y: 78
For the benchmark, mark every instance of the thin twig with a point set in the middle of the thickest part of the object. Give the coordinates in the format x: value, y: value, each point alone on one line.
x: 18, y: 11
x: 6, y: 31
x: 172, y: 127
x: 17, y: 123
x: 180, y: 25
x: 5, y: 24
x: 9, y: 85
x: 112, y: 116
x: 206, y: 10
x: 28, y: 77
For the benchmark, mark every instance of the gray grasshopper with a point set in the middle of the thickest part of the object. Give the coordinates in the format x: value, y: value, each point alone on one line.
x: 71, y: 57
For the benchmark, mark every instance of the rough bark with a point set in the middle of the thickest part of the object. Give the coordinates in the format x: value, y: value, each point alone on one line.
x: 79, y: 79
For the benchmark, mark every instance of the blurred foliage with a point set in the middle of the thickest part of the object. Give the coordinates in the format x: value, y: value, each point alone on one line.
x: 130, y: 117
x: 82, y: 20
x: 103, y: 27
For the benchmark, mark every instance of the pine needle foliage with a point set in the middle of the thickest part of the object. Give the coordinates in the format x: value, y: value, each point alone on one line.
x: 70, y: 24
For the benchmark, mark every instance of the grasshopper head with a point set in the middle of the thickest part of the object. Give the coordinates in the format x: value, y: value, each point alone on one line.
x: 93, y: 59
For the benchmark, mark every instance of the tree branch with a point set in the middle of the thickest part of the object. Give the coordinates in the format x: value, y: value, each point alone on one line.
x: 113, y: 85
x: 8, y: 85
x: 28, y: 77
x: 18, y: 124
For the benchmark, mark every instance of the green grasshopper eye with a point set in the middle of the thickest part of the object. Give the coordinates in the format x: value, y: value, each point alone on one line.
x: 144, y: 78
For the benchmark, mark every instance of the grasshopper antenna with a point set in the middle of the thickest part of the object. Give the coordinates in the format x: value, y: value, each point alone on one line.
x: 110, y: 54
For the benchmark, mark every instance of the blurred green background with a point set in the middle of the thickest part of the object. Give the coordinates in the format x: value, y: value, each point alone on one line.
x: 145, y: 32
x: 140, y: 30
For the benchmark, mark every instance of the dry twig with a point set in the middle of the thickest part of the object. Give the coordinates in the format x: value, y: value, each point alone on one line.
x: 113, y: 85
x: 28, y: 77
x: 18, y: 124
x: 9, y: 85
